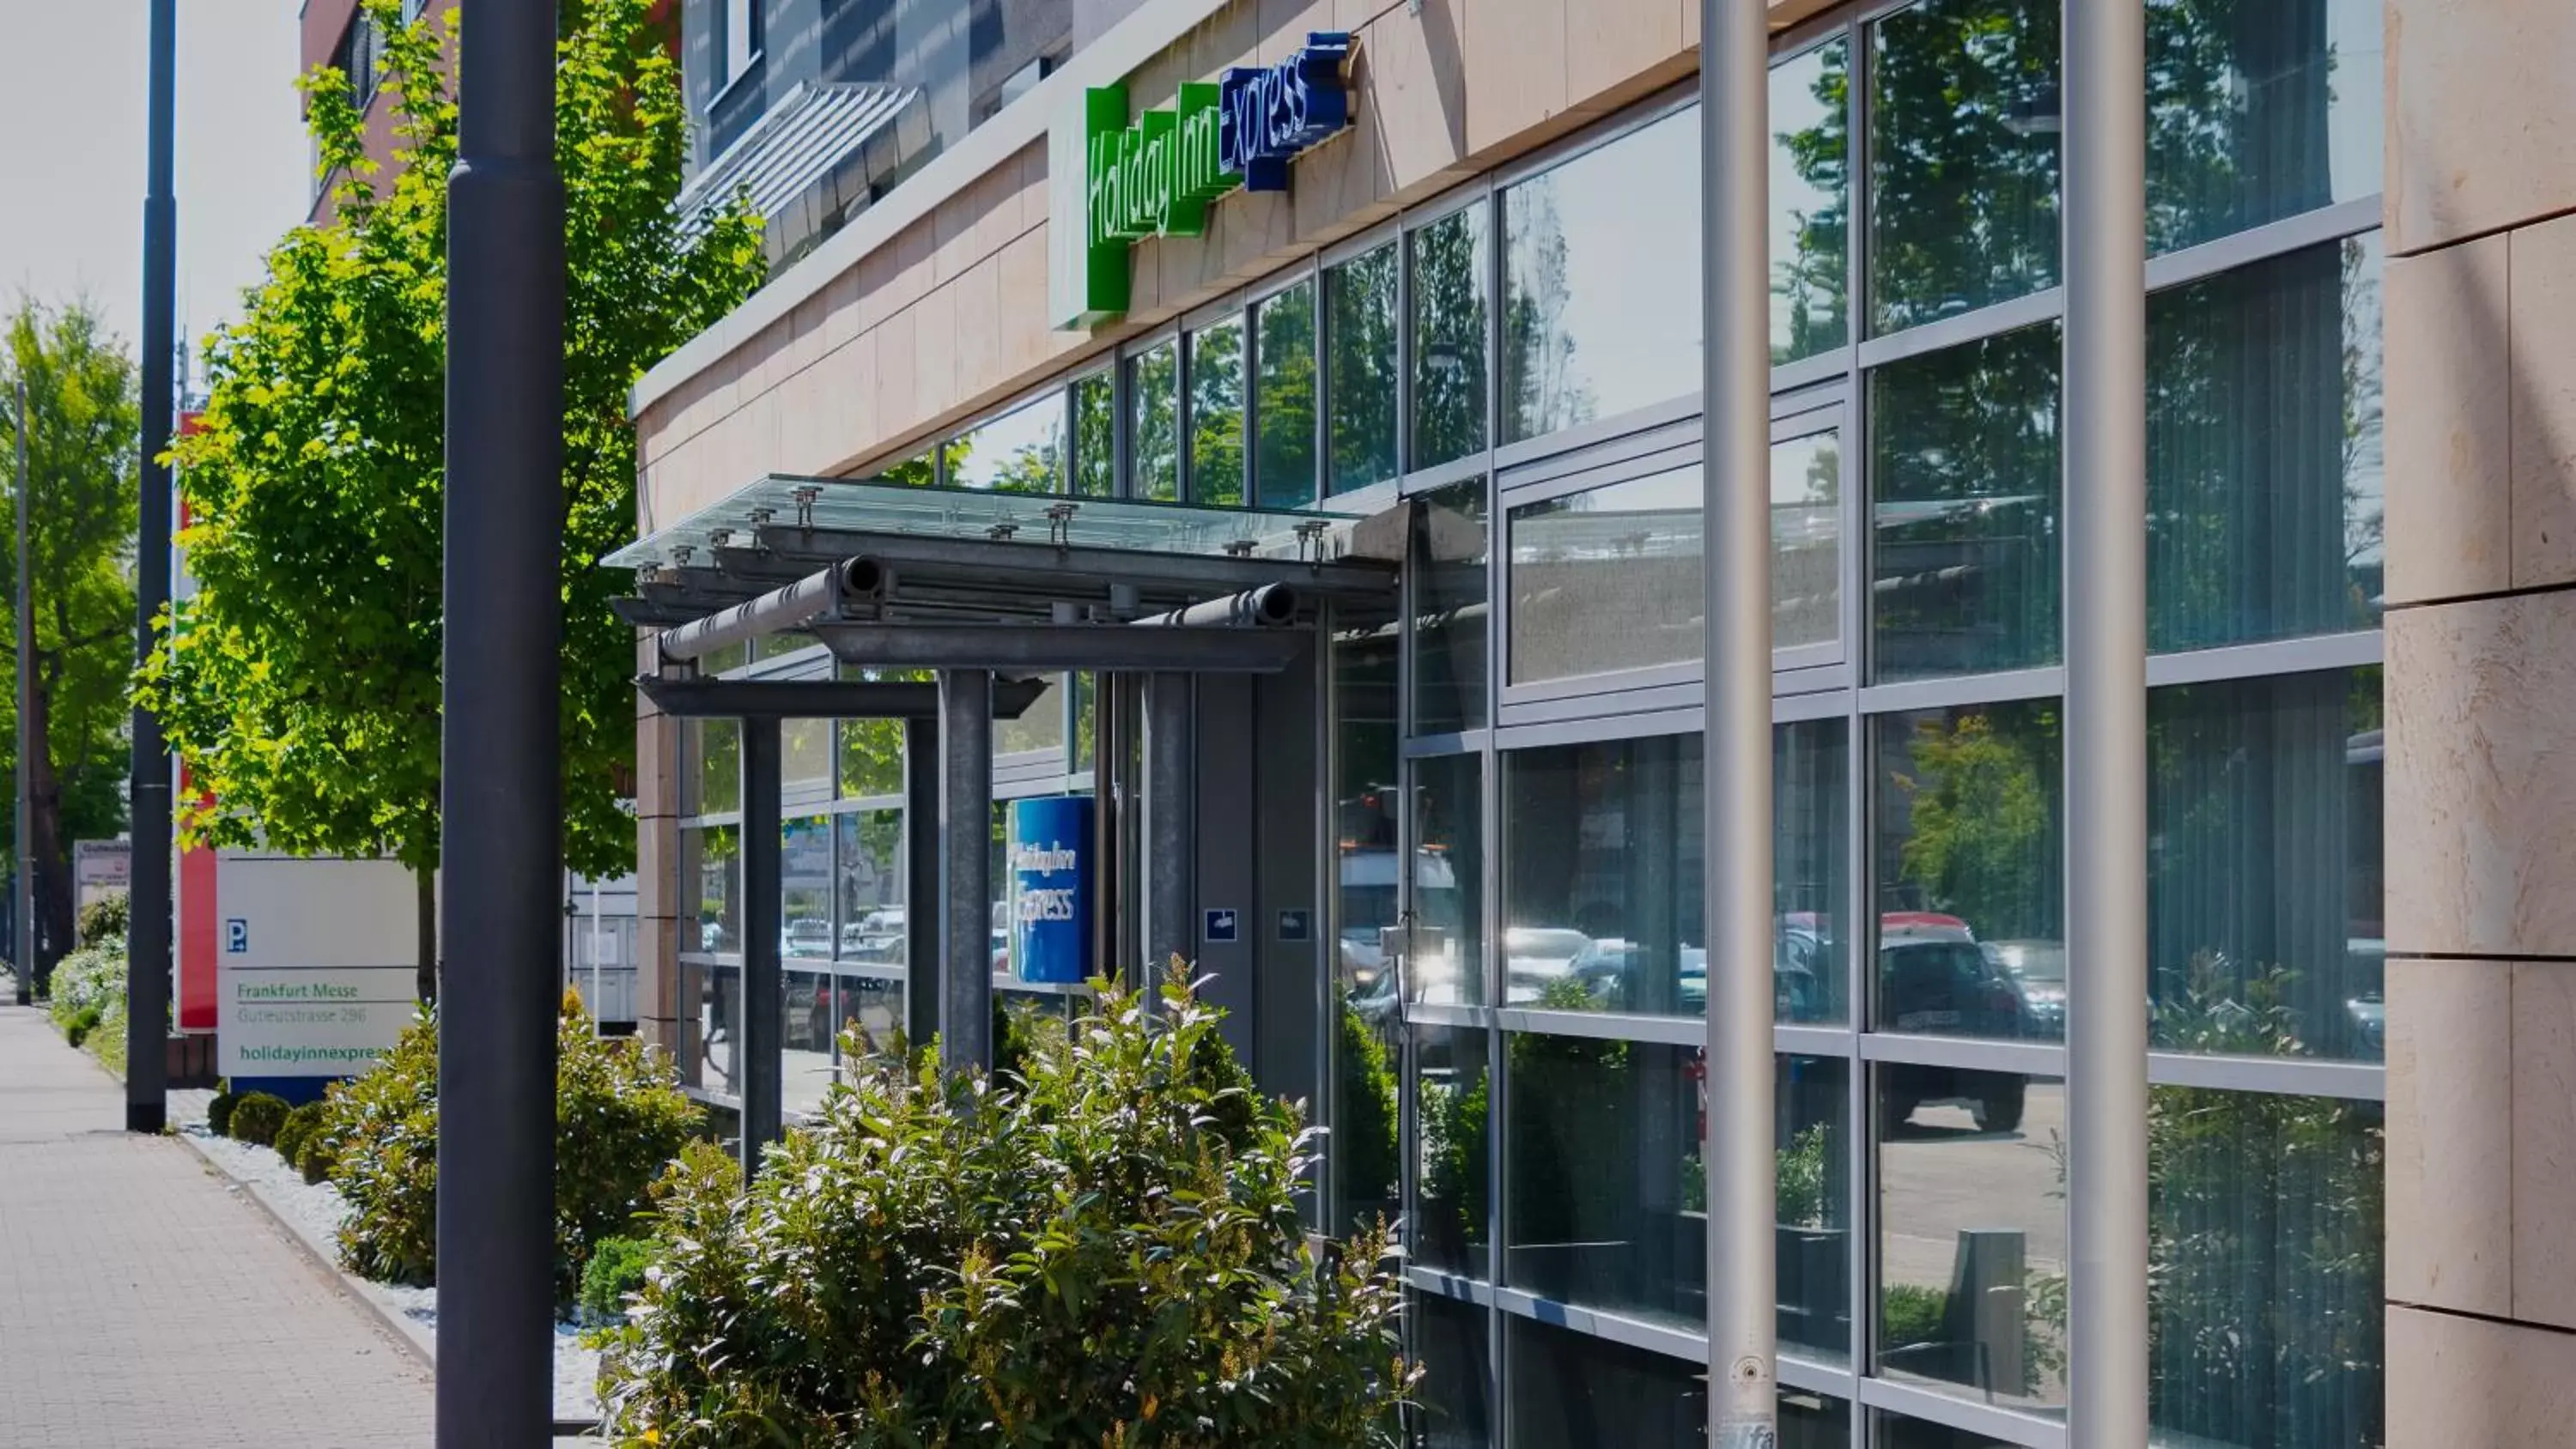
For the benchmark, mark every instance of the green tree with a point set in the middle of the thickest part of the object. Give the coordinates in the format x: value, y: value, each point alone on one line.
x: 1979, y: 812
x: 302, y: 683
x: 81, y: 424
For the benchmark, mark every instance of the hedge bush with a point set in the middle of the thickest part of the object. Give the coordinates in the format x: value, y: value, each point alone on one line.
x: 103, y: 921
x: 219, y: 1112
x: 82, y: 1025
x: 615, y: 1271
x: 87, y: 979
x: 620, y: 1117
x: 1106, y: 1250
x: 256, y: 1118
x: 316, y: 1160
x: 296, y: 1130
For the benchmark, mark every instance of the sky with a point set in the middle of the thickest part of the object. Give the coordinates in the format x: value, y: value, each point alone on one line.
x: 72, y: 153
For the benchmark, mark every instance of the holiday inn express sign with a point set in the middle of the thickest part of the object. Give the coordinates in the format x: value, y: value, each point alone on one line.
x: 1113, y: 183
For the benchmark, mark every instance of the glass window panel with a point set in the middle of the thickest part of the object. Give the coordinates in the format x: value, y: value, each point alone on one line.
x: 778, y: 646
x: 872, y: 1006
x: 1811, y: 1420
x: 1894, y: 1431
x: 715, y: 748
x: 1972, y: 1243
x: 1361, y: 1104
x: 871, y: 758
x: 1021, y: 451
x: 2265, y: 1225
x: 1964, y: 481
x: 1086, y: 718
x: 1216, y: 414
x: 1359, y: 368
x: 2264, y: 866
x: 1095, y: 437
x: 719, y: 1020
x: 869, y: 869
x: 1806, y: 540
x: 805, y: 1038
x: 1810, y: 202
x: 1601, y: 879
x: 1811, y: 869
x: 805, y: 887
x: 1970, y: 860
x: 1040, y: 727
x: 2257, y: 112
x: 804, y: 761
x: 1283, y: 398
x: 915, y: 472
x: 724, y: 660
x: 1572, y: 1391
x: 1451, y: 295
x: 1607, y: 579
x: 712, y: 857
x: 1154, y: 421
x: 1454, y: 1403
x: 2264, y: 458
x: 1601, y: 281
x: 1964, y: 118
x: 1450, y: 610
x: 1452, y: 1107
x: 1448, y: 964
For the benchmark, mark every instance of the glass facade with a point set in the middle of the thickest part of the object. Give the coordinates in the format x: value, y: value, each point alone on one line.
x: 1518, y: 963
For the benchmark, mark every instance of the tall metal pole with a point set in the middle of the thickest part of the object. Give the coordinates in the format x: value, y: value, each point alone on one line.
x: 759, y: 1038
x: 922, y: 971
x: 22, y: 881
x: 2106, y: 722
x: 965, y: 903
x: 503, y: 849
x: 147, y: 962
x: 1736, y: 360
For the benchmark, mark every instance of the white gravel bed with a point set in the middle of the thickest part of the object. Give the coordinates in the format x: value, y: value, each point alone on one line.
x: 314, y: 1214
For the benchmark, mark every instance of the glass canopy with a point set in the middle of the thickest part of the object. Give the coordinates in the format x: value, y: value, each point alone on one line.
x: 923, y: 511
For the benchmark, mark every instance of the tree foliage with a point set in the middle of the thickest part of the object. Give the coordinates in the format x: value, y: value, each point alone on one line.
x: 302, y: 683
x: 81, y: 427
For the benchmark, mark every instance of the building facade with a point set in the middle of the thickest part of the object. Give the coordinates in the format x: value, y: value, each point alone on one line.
x: 1475, y: 308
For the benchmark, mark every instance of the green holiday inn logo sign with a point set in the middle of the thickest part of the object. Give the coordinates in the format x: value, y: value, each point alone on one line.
x: 1115, y: 183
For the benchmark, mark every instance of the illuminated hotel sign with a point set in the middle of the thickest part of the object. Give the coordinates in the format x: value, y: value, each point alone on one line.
x: 1115, y: 183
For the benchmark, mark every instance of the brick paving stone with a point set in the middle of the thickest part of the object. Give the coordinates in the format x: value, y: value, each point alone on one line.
x: 145, y: 1305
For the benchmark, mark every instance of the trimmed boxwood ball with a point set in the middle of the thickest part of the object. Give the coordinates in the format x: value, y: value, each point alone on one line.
x: 297, y: 1129
x: 219, y: 1112
x: 256, y: 1118
x: 615, y: 1271
x: 1104, y: 1247
x: 316, y: 1161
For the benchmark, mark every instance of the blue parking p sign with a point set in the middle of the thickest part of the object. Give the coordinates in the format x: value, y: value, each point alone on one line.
x: 237, y: 936
x: 1222, y: 927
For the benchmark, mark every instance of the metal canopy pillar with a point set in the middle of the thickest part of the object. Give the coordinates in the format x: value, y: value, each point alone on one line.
x: 966, y: 869
x: 921, y: 783
x: 147, y: 1021
x: 1169, y: 850
x: 763, y: 998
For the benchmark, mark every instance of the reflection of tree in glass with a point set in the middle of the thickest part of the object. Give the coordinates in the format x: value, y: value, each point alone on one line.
x: 1979, y: 822
x: 1095, y: 437
x: 1811, y: 280
x: 1449, y: 331
x: 1359, y: 300
x: 719, y: 754
x: 1283, y: 405
x: 1153, y: 387
x: 2240, y: 114
x: 1963, y: 174
x: 1543, y: 390
x: 1216, y: 414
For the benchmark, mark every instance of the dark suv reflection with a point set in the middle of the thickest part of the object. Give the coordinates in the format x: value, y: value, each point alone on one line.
x: 1933, y: 978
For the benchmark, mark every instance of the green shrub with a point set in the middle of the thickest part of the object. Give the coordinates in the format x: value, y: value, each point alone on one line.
x: 103, y: 921
x: 1109, y: 1251
x: 82, y: 1024
x: 85, y: 980
x: 256, y: 1118
x: 316, y: 1160
x: 296, y: 1130
x: 620, y: 1118
x: 1363, y: 1142
x: 219, y: 1112
x: 615, y: 1270
x: 1910, y: 1314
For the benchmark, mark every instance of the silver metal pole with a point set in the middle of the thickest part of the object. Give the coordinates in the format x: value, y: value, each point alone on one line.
x: 1169, y: 854
x: 23, y: 882
x: 2106, y: 722
x: 1736, y: 773
x: 965, y: 902
x: 761, y: 1035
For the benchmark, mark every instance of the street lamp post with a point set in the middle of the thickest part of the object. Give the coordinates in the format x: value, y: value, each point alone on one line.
x: 502, y: 855
x: 22, y: 881
x: 147, y: 962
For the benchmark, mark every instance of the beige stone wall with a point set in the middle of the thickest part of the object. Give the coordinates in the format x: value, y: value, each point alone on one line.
x: 2481, y: 822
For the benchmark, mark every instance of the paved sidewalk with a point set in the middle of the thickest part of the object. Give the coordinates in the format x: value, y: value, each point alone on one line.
x: 143, y: 1305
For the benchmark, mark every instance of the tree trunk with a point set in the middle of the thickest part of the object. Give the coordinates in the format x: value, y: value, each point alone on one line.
x: 425, y: 984
x: 49, y: 853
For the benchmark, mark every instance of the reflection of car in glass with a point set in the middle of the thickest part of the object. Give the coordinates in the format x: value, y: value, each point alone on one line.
x: 1534, y: 957
x: 806, y: 938
x: 1368, y: 905
x: 2365, y: 1009
x: 2038, y: 970
x: 1934, y: 978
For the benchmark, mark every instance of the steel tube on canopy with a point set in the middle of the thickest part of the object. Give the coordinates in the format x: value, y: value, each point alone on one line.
x: 757, y: 1041
x: 1735, y: 295
x: 965, y: 902
x: 1169, y: 851
x: 791, y: 607
x: 501, y: 759
x: 2106, y: 724
x: 1268, y: 606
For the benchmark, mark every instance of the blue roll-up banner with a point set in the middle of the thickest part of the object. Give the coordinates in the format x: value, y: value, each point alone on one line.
x: 1051, y: 889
